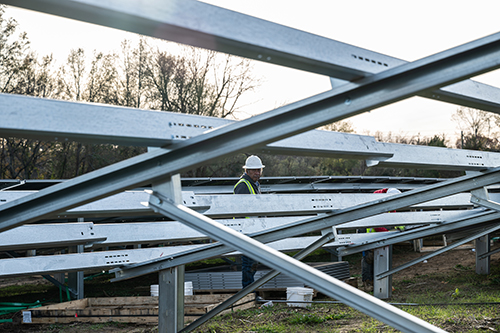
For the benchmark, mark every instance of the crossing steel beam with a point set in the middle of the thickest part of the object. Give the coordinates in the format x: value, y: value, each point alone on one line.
x: 207, y: 26
x: 134, y: 203
x: 119, y: 234
x: 336, y: 218
x: 475, y: 218
x: 380, y: 89
x: 36, y: 118
x: 465, y: 240
x: 295, y: 269
x: 49, y: 236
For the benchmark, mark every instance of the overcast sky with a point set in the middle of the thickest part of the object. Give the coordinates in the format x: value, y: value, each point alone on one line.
x: 402, y: 29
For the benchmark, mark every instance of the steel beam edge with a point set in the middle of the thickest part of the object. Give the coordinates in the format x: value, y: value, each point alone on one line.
x: 256, y: 284
x: 207, y: 26
x: 336, y: 218
x: 437, y: 252
x: 326, y: 284
x: 422, y: 232
x: 387, y: 87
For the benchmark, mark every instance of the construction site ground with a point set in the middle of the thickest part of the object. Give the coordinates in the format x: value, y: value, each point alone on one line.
x: 422, y: 278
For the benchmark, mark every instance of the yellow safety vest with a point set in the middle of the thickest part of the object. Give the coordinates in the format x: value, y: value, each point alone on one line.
x: 250, y: 187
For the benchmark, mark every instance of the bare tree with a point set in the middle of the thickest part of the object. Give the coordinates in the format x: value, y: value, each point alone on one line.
x: 478, y: 128
x: 339, y: 126
x: 12, y: 52
x: 71, y: 77
x: 198, y: 82
x: 102, y: 85
x: 35, y: 77
x: 21, y: 73
x: 475, y: 122
x: 133, y: 81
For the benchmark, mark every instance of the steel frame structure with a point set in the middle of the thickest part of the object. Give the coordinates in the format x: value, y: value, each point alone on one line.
x: 338, y: 217
x: 46, y: 119
x: 373, y: 88
x: 132, y: 203
x: 158, y: 232
x: 396, y: 84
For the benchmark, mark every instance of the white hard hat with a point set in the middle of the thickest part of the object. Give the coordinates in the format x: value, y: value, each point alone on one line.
x: 253, y: 162
x: 393, y: 190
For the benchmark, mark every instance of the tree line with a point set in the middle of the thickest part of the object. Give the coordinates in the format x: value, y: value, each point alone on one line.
x: 142, y: 75
x: 147, y: 76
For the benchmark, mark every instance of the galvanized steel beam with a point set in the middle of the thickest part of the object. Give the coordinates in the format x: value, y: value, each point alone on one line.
x: 203, y: 25
x: 256, y: 284
x: 56, y: 120
x: 134, y: 203
x: 293, y: 268
x: 49, y: 236
x: 101, y: 260
x: 116, y: 234
x: 389, y: 203
x: 393, y: 238
x: 437, y: 252
x: 36, y: 118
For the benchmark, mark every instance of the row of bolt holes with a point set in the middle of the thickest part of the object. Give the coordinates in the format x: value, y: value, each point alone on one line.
x: 370, y: 60
x: 190, y: 125
x: 475, y: 156
x: 323, y: 206
x: 118, y: 261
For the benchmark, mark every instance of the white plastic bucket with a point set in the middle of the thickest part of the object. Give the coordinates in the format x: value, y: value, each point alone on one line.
x: 299, y: 294
x: 188, y: 289
x: 155, y: 290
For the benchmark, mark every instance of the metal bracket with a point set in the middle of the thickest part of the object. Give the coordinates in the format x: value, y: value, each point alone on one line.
x: 480, y: 197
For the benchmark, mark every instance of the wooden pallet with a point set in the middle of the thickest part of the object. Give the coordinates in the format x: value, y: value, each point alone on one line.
x: 143, y: 309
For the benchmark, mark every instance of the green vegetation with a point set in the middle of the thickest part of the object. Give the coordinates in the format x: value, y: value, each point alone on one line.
x: 456, y: 300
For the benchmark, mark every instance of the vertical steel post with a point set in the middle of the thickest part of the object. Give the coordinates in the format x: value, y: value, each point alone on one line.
x: 75, y: 279
x: 482, y: 247
x: 171, y: 281
x: 382, y: 262
x: 171, y: 300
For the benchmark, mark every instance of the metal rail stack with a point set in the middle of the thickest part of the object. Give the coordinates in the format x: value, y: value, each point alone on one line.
x: 439, y: 207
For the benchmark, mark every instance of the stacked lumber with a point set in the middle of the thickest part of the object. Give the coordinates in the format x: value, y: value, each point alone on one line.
x: 143, y: 309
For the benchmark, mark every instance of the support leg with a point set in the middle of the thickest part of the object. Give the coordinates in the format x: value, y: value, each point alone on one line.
x: 171, y: 300
x: 382, y: 261
x: 171, y: 281
x: 482, y: 246
x: 75, y: 279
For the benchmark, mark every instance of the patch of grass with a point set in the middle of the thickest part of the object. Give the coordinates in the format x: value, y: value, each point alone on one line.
x: 306, y: 319
x: 24, y: 289
x: 53, y: 327
x: 462, y: 268
x: 111, y: 324
x: 338, y: 316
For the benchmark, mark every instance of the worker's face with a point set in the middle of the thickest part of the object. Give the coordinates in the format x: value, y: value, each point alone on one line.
x: 254, y: 174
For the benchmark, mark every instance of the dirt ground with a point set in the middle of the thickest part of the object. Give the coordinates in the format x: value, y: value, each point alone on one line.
x: 447, y: 261
x: 450, y: 261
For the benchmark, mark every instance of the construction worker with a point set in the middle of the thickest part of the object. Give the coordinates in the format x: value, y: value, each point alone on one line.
x: 249, y: 184
x: 367, y: 274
